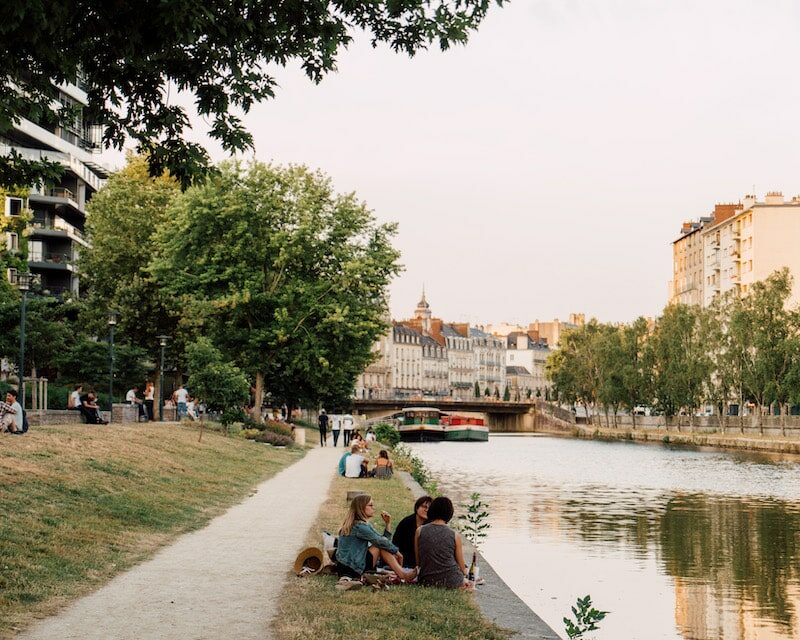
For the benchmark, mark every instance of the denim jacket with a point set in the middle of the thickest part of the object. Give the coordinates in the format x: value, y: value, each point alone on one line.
x: 352, y: 549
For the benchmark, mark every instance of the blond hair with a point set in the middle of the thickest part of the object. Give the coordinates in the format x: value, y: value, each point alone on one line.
x: 356, y: 513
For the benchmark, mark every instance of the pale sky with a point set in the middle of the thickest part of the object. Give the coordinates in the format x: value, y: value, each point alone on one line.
x: 546, y: 167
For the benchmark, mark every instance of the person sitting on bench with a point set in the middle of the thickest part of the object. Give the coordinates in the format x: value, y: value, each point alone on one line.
x: 89, y: 409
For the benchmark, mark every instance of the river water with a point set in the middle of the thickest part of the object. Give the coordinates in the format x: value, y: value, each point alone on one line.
x: 676, y: 543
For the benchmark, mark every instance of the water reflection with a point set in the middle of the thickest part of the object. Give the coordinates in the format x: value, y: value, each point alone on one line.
x: 679, y: 544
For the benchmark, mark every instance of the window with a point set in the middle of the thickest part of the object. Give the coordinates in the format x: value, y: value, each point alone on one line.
x: 12, y: 241
x: 11, y: 273
x: 13, y: 206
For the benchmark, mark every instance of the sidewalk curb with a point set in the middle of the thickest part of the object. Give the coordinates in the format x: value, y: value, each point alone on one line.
x: 496, y: 599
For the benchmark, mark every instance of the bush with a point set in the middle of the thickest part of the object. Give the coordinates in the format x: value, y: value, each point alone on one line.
x: 249, y: 434
x: 405, y: 459
x: 387, y: 434
x: 233, y: 414
x: 304, y: 423
x: 279, y: 428
x: 274, y: 439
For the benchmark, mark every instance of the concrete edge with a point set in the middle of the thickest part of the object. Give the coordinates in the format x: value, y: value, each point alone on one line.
x: 495, y: 598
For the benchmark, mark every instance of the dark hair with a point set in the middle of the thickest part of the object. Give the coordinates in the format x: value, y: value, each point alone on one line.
x: 421, y: 501
x: 383, y: 453
x: 78, y: 386
x: 13, y: 392
x: 441, y: 509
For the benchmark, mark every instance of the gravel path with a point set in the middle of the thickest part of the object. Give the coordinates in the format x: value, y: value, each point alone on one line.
x: 220, y: 582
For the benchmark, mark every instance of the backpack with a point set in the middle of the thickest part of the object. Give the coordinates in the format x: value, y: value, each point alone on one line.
x: 25, y: 424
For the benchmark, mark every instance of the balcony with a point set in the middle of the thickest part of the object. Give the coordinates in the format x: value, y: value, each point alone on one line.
x: 48, y: 260
x: 59, y: 228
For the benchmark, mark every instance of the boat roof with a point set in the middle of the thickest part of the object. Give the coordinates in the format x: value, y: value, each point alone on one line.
x: 421, y: 409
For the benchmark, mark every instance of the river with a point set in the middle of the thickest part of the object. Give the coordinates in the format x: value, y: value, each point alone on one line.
x: 676, y: 543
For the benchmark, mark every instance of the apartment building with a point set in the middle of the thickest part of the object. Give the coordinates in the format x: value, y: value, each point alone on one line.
x: 56, y: 233
x: 527, y: 351
x: 757, y: 239
x: 406, y: 361
x: 489, y: 360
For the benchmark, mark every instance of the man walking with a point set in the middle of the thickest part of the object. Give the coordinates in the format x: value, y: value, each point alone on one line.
x: 323, y: 427
x: 336, y: 427
x: 347, y: 428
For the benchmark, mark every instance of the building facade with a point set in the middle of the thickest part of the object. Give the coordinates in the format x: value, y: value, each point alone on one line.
x: 522, y: 350
x: 56, y: 233
x: 489, y: 361
x: 434, y: 368
x: 460, y: 366
x: 406, y: 361
x: 757, y: 240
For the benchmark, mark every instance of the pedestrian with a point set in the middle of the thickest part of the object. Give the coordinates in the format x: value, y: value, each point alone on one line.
x: 181, y: 399
x: 347, y: 428
x: 132, y: 398
x: 323, y: 427
x: 74, y: 400
x: 149, y: 397
x: 336, y: 422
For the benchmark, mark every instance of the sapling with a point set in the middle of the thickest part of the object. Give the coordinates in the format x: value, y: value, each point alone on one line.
x: 586, y: 618
x: 474, y: 525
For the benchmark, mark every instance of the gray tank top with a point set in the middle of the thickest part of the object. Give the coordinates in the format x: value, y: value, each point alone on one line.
x: 437, y: 557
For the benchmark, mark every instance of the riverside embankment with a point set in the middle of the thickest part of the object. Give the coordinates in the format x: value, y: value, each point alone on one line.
x: 771, y: 434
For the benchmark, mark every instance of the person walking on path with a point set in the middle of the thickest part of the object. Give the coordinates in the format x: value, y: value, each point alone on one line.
x: 210, y: 583
x: 181, y: 399
x: 323, y: 427
x: 336, y: 427
x: 149, y: 399
x: 347, y: 429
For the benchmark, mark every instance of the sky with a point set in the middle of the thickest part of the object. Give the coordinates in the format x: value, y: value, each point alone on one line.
x: 546, y: 167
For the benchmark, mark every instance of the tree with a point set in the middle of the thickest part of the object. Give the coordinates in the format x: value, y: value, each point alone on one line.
x: 507, y: 394
x: 122, y: 219
x: 286, y: 277
x: 477, y: 390
x: 634, y: 376
x: 86, y: 361
x: 679, y: 359
x: 130, y: 57
x: 219, y: 384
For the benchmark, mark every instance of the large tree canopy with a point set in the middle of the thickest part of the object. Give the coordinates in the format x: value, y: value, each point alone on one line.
x: 287, y: 277
x: 128, y: 55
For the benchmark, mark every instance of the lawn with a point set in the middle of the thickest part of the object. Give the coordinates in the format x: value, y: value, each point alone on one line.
x: 312, y: 608
x: 82, y: 503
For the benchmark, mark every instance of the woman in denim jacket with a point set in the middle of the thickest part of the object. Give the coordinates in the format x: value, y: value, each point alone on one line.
x: 360, y: 545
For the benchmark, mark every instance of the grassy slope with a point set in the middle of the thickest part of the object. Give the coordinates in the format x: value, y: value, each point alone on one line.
x: 312, y: 608
x: 82, y: 503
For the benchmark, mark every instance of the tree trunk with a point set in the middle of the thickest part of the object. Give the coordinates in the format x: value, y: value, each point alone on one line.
x: 259, y: 397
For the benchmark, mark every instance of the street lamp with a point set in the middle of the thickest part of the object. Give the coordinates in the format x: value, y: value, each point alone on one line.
x: 24, y: 282
x: 113, y: 316
x: 162, y: 340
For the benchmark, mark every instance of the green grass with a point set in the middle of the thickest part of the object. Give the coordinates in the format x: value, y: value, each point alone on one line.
x: 312, y: 608
x: 82, y: 503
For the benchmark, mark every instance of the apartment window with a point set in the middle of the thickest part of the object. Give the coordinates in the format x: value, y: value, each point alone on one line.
x: 12, y: 241
x: 11, y: 274
x: 13, y: 206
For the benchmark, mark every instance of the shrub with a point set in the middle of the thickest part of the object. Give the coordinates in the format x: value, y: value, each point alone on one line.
x: 387, y: 434
x: 304, y: 423
x: 274, y: 439
x: 249, y: 434
x: 279, y: 428
x: 405, y: 459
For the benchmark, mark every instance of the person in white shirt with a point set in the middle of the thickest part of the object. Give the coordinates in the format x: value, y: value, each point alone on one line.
x: 347, y: 428
x: 371, y: 437
x: 132, y: 398
x: 336, y: 427
x: 11, y: 413
x: 181, y: 398
x: 74, y: 401
x: 356, y: 465
x: 191, y: 409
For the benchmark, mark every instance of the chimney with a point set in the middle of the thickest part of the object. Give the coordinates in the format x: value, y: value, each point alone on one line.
x: 748, y: 202
x: 774, y: 197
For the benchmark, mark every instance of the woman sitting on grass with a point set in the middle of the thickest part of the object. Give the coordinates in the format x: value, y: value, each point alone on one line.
x: 439, y: 553
x: 406, y: 531
x: 360, y: 546
x: 383, y: 466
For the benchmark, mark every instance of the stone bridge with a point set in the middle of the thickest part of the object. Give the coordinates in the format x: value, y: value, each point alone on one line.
x: 500, y: 416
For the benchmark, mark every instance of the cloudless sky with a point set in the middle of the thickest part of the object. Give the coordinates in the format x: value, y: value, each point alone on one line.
x: 546, y: 167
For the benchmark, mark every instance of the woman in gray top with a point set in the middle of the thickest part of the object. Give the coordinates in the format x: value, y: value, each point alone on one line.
x: 438, y: 548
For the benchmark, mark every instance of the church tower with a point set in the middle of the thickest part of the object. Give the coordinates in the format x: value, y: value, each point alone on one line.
x: 423, y: 313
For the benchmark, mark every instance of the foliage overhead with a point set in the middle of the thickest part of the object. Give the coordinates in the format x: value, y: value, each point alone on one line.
x: 130, y: 57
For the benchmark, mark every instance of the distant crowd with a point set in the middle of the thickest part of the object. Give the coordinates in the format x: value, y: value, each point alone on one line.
x: 186, y: 406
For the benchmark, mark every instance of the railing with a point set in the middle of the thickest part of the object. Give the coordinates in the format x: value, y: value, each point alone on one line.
x: 51, y: 258
x: 60, y: 225
x: 65, y: 159
x: 61, y: 192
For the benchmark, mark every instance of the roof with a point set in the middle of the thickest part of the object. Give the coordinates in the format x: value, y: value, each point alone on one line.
x: 517, y: 371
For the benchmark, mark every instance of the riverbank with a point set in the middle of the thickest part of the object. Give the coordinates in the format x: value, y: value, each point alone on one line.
x: 745, y: 442
x: 312, y: 608
x: 83, y: 503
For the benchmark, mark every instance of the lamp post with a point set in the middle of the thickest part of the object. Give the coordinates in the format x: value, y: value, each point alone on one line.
x: 113, y: 316
x: 162, y: 340
x: 24, y: 282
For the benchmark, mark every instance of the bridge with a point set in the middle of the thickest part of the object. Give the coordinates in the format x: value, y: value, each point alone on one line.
x: 501, y: 416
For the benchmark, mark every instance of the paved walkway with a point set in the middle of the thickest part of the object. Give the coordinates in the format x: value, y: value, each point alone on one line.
x: 220, y: 582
